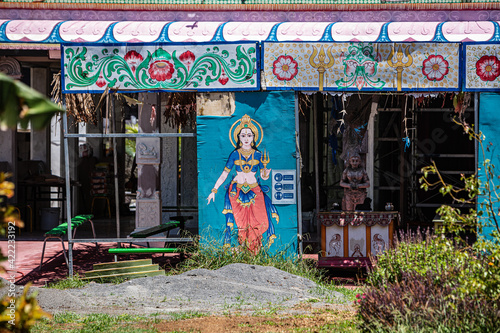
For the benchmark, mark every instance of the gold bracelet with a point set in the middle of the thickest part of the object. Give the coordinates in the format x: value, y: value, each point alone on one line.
x: 214, y: 190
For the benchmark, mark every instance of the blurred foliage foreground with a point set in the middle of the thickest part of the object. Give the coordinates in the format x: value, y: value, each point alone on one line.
x: 19, y: 105
x: 17, y: 312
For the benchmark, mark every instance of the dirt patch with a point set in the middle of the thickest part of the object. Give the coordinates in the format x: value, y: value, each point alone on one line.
x: 255, y: 324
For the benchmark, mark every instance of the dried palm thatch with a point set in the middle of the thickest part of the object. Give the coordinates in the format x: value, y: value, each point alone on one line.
x: 180, y: 109
x: 79, y: 106
x: 305, y: 103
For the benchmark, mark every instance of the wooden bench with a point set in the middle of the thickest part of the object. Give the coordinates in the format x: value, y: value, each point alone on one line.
x: 62, y: 229
x: 141, y: 250
x: 175, y: 222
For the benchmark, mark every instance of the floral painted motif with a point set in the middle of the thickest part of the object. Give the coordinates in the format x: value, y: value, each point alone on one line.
x: 100, y: 81
x: 159, y: 67
x: 435, y: 68
x: 285, y: 68
x: 488, y: 68
x: 187, y: 57
x: 360, y: 66
x: 161, y: 70
x: 223, y: 78
x: 133, y: 59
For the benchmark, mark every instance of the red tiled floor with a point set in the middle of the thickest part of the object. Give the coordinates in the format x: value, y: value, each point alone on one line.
x: 28, y: 254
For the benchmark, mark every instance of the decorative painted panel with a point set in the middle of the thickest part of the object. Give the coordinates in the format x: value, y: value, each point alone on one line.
x: 357, y: 241
x: 482, y: 67
x: 348, y: 238
x: 361, y: 66
x: 198, y: 67
x: 334, y: 241
x: 272, y: 28
x: 380, y: 239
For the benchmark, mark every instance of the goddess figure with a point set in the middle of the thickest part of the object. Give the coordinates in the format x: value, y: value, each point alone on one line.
x: 355, y: 182
x: 246, y: 202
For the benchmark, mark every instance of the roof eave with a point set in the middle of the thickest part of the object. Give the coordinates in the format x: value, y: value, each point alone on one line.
x: 252, y: 7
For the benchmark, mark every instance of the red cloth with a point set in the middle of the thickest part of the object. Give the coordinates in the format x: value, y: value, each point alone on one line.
x: 251, y: 219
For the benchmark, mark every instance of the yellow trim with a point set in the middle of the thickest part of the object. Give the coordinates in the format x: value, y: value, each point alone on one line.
x: 227, y: 211
x: 230, y: 225
x: 246, y: 152
x: 246, y: 204
x: 250, y: 162
x: 246, y: 184
x: 276, y: 216
x: 227, y: 169
x: 271, y: 239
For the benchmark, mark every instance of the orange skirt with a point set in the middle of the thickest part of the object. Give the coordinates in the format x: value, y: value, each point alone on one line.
x: 251, y: 218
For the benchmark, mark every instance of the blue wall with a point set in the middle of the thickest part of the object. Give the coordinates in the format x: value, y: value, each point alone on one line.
x: 275, y: 112
x: 489, y: 120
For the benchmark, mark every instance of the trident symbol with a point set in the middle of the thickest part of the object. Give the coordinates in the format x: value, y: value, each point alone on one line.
x: 400, y: 65
x: 321, y: 66
x: 265, y: 159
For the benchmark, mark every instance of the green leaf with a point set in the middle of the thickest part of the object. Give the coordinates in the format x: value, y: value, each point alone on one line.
x: 20, y: 104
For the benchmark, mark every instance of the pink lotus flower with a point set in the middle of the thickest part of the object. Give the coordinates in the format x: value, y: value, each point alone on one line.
x: 435, y: 68
x: 133, y: 59
x: 487, y: 68
x: 187, y: 58
x: 285, y: 68
x: 100, y: 81
x: 223, y: 78
x: 161, y: 70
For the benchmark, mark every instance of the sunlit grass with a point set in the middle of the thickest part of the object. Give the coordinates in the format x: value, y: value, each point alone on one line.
x: 68, y: 283
x: 95, y: 322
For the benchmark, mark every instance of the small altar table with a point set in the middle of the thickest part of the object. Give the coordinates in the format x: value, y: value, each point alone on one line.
x: 348, y: 239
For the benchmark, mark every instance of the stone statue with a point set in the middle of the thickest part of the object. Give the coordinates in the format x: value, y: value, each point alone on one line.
x: 355, y: 182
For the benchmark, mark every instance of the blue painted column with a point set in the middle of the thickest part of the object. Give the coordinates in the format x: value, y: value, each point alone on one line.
x: 489, y: 118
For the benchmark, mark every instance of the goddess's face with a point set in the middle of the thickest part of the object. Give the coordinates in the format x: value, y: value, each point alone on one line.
x: 354, y: 162
x: 246, y: 137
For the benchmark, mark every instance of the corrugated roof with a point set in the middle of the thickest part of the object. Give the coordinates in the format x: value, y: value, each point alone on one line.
x: 247, y: 2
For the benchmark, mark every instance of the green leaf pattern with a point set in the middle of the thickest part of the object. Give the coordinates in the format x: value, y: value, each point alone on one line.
x: 209, y: 67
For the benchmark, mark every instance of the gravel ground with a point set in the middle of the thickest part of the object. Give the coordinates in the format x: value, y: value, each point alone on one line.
x: 234, y: 288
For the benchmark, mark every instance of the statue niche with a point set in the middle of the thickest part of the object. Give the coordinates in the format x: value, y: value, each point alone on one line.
x: 355, y: 182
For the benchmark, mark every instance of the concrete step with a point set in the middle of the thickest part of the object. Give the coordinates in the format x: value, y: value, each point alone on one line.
x: 121, y: 270
x: 128, y: 275
x: 125, y: 263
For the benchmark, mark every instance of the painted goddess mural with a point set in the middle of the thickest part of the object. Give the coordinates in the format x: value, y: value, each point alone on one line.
x: 246, y: 203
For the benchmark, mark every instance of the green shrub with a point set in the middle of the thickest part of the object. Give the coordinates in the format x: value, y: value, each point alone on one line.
x: 417, y: 253
x: 428, y: 283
